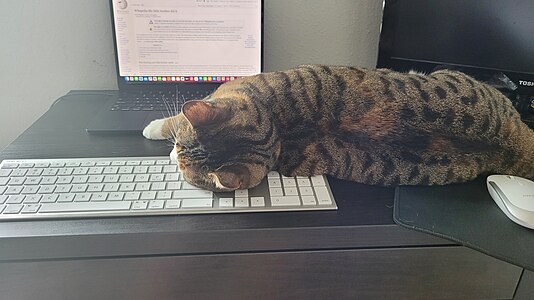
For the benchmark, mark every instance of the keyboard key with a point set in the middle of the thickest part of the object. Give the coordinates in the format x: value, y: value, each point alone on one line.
x: 125, y: 170
x: 126, y: 178
x: 172, y: 177
x: 34, y: 172
x: 191, y: 194
x: 99, y: 197
x: 158, y: 186
x: 226, y: 202
x: 78, y: 188
x: 289, y: 182
x: 95, y: 178
x: 142, y: 178
x: 49, y: 180
x: 64, y: 179
x: 140, y: 169
x: 132, y: 196
x: 13, y: 208
x: 66, y: 197
x: 83, y: 197
x: 84, y: 206
x: 30, y: 209
x: 197, y: 203
x: 32, y: 198
x: 32, y: 181
x: 172, y: 204
x: 14, y: 190
x: 318, y: 181
x: 241, y: 202
x: 50, y: 172
x: 274, y: 182
x: 111, y: 178
x: 241, y: 193
x: 276, y: 192
x: 117, y: 196
x: 164, y: 195
x: 30, y: 189
x: 142, y: 186
x: 127, y: 187
x: 257, y: 201
x: 303, y: 182
x: 175, y: 185
x: 49, y: 198
x: 148, y: 195
x: 155, y: 169
x: 291, y: 191
x: 273, y: 174
x: 95, y: 187
x: 10, y: 165
x: 5, y: 172
x: 306, y: 191
x: 285, y: 201
x: 16, y: 180
x: 140, y: 205
x: 308, y: 200
x: 323, y: 197
x: 15, y: 199
x: 156, y: 204
x: 157, y: 177
x: 63, y: 188
x: 170, y: 169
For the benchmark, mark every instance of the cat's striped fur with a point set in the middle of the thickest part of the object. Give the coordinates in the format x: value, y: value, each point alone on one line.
x: 371, y: 126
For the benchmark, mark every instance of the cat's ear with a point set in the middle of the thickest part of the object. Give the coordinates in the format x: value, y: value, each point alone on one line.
x: 201, y: 113
x: 231, y: 177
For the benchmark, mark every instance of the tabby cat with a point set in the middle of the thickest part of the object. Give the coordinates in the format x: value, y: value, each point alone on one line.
x: 371, y: 126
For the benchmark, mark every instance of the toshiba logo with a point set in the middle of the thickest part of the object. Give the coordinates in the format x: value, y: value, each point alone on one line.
x: 526, y: 83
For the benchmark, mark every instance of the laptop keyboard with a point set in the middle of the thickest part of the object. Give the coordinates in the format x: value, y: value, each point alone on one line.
x: 127, y: 186
x: 156, y: 100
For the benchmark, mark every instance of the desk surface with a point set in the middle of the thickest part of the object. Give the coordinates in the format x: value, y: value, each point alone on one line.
x: 363, y: 220
x: 357, y: 250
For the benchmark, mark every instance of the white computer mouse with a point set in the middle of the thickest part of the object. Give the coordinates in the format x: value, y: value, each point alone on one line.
x: 514, y: 196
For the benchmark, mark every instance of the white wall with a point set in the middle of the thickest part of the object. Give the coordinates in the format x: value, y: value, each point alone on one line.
x: 50, y: 47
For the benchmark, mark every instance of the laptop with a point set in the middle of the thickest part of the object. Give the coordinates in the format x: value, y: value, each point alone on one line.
x: 171, y: 51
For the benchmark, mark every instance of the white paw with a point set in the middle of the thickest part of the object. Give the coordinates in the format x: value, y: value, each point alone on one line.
x: 173, y: 156
x: 154, y: 130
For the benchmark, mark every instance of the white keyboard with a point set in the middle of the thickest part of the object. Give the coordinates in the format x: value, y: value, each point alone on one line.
x: 134, y: 186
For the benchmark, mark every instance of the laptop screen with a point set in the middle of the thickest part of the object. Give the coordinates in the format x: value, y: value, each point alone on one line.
x: 194, y: 41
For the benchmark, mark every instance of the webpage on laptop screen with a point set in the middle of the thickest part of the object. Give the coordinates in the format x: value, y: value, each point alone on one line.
x: 187, y: 39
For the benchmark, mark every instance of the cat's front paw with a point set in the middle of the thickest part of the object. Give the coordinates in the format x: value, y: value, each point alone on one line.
x: 154, y: 130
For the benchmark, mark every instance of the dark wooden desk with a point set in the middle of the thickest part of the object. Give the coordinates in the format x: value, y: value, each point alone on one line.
x: 354, y: 252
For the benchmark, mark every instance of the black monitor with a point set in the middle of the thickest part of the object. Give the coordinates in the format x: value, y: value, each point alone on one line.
x: 492, y: 40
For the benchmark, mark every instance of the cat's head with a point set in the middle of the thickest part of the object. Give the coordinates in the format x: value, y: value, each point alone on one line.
x: 224, y: 144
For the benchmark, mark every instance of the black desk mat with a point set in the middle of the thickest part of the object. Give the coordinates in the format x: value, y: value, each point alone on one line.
x: 466, y: 214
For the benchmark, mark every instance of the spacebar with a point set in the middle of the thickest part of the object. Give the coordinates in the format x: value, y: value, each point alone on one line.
x: 83, y: 206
